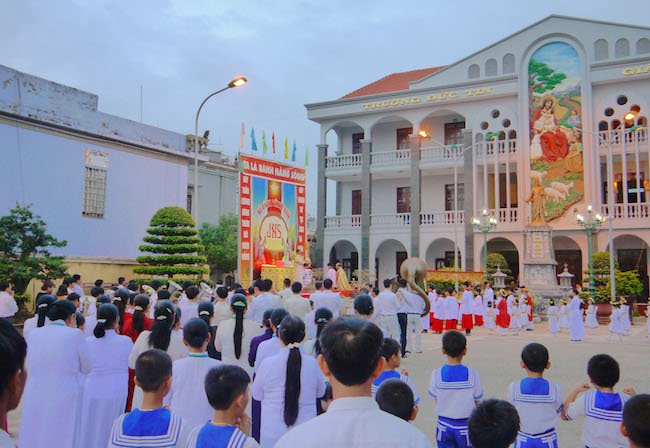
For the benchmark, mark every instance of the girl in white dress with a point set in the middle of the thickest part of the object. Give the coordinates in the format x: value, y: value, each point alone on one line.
x: 625, y: 318
x: 161, y: 337
x: 187, y: 397
x: 105, y: 386
x: 43, y: 305
x: 321, y: 317
x: 288, y: 385
x: 57, y: 356
x: 553, y: 319
x: 234, y: 336
x: 222, y: 309
x: 490, y: 316
x: 616, y: 324
x: 515, y: 317
x: 563, y: 313
x: 591, y: 321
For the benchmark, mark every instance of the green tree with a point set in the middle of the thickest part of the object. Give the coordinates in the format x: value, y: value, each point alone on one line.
x: 496, y: 260
x: 173, y: 240
x: 221, y: 243
x: 24, y: 254
x: 627, y: 282
x: 541, y: 79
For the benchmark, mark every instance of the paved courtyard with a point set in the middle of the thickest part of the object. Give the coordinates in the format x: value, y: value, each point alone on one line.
x: 496, y: 358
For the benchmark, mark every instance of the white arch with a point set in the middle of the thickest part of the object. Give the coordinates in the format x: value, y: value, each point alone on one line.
x: 385, y: 254
x: 436, y: 250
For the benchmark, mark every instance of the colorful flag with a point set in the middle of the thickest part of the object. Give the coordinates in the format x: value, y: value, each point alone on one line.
x: 241, y: 136
x: 265, y: 148
x: 306, y: 155
x: 293, y: 153
x: 253, y: 142
x: 286, y: 148
x: 273, y: 142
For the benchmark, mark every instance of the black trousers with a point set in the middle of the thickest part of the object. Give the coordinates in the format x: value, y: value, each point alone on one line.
x: 401, y: 318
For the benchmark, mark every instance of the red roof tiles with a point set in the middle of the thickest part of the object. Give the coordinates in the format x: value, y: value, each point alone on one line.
x: 393, y: 83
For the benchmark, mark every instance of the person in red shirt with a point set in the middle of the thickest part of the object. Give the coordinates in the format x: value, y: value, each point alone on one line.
x: 132, y: 328
x: 503, y: 318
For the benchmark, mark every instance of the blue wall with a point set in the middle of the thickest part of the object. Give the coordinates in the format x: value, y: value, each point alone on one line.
x: 47, y: 170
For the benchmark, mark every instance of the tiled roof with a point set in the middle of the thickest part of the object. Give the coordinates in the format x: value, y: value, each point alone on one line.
x: 393, y: 83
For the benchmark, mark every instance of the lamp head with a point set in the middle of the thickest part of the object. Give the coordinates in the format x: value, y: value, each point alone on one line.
x: 485, y: 212
x: 630, y: 116
x: 423, y: 133
x: 599, y: 217
x: 589, y: 208
x: 580, y: 218
x: 237, y: 82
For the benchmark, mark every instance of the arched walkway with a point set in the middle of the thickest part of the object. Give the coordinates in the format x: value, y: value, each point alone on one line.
x: 632, y: 255
x: 509, y: 251
x: 346, y: 253
x: 440, y: 254
x: 388, y: 258
x: 568, y: 252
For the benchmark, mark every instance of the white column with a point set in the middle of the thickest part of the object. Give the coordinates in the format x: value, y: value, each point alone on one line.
x: 497, y: 192
x: 485, y: 176
x: 624, y: 170
x: 508, y: 185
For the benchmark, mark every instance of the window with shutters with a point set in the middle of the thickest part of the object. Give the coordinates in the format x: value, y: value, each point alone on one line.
x: 94, y: 192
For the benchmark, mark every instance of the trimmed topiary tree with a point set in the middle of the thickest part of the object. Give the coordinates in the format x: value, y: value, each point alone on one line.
x: 173, y: 240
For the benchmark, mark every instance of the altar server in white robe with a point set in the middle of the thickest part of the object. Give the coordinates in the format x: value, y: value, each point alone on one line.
x: 234, y: 336
x: 288, y: 385
x: 40, y: 319
x: 105, y: 387
x: 57, y: 355
x: 162, y: 337
x: 271, y: 347
x: 187, y: 397
x: 351, y: 360
x: 577, y: 326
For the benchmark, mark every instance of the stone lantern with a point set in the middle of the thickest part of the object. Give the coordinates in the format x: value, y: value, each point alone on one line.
x: 566, y: 281
x: 499, y: 278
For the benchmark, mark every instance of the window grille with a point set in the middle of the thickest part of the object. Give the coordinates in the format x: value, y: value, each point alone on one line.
x: 94, y: 192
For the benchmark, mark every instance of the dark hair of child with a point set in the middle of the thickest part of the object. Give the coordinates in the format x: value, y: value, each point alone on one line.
x: 351, y: 347
x: 535, y: 357
x: 603, y: 370
x: 321, y: 317
x: 363, y: 305
x: 107, y: 314
x: 454, y: 343
x: 152, y: 368
x: 61, y: 310
x: 140, y: 302
x: 163, y: 315
x: 276, y: 317
x: 13, y: 350
x: 238, y: 306
x: 43, y: 305
x: 195, y: 332
x: 493, y: 424
x: 636, y: 415
x: 292, y: 332
x: 395, y: 397
x: 223, y: 384
x: 389, y: 348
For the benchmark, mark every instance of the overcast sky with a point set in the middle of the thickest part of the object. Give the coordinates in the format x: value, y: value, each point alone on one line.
x: 292, y: 52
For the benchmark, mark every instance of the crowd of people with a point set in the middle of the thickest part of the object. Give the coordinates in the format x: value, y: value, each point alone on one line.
x: 139, y: 365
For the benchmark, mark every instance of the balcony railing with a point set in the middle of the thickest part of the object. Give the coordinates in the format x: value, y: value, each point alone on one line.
x: 505, y: 215
x: 628, y: 211
x: 390, y: 219
x: 441, y: 218
x: 343, y: 161
x: 343, y: 222
x: 498, y: 147
x: 617, y: 137
x: 442, y: 154
x: 390, y: 158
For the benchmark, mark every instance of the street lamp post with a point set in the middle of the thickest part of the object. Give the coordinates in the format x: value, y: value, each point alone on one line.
x: 610, y: 190
x: 195, y: 197
x: 485, y: 224
x: 591, y: 224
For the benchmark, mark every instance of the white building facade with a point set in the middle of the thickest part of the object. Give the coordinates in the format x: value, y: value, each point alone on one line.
x: 551, y: 99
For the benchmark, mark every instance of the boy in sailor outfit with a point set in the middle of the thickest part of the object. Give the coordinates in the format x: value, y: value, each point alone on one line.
x: 538, y: 401
x: 457, y: 389
x: 601, y: 408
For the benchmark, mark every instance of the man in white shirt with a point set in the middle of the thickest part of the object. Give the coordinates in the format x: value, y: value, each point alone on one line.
x: 77, y: 285
x: 8, y: 305
x: 262, y: 302
x: 413, y: 307
x: 351, y: 360
x: 295, y: 304
x: 386, y: 308
x: 328, y: 299
x: 286, y: 292
x: 331, y: 273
